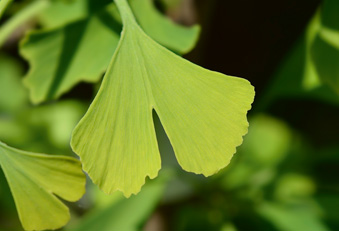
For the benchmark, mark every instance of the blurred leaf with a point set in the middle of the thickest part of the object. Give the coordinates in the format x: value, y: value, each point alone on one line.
x: 13, y: 131
x: 291, y: 218
x: 124, y: 214
x: 326, y: 57
x: 36, y: 180
x: 12, y: 93
x: 291, y: 187
x: 3, y: 5
x: 317, y: 51
x: 59, y: 120
x: 46, y: 128
x: 20, y: 18
x: 66, y: 55
x: 330, y: 16
x: 267, y: 143
x: 323, y: 41
x: 173, y: 36
x: 228, y: 227
x: 311, y: 78
x: 60, y: 13
x: 120, y: 116
x: 330, y: 204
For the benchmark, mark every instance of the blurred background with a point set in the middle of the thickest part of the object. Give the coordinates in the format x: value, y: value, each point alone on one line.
x: 285, y: 175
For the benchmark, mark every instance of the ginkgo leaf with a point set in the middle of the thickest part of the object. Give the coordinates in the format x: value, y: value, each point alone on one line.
x: 63, y: 12
x: 203, y: 113
x: 36, y: 181
x: 173, y: 36
x: 60, y: 58
x: 328, y: 68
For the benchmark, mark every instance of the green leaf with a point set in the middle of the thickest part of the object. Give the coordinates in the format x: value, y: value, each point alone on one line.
x: 64, y: 12
x: 291, y: 80
x: 44, y: 128
x: 291, y: 218
x: 61, y: 58
x: 21, y: 17
x: 60, y: 13
x: 36, y: 180
x: 267, y: 144
x: 202, y: 112
x: 123, y: 214
x: 12, y: 93
x: 330, y: 16
x: 326, y: 44
x: 311, y: 78
x: 3, y: 5
x: 173, y: 36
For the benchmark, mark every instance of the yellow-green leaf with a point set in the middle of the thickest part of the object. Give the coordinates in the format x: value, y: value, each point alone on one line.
x: 203, y: 113
x: 36, y: 180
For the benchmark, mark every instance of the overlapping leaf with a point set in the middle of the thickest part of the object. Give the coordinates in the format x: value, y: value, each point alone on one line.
x: 36, y: 180
x: 173, y: 36
x: 81, y: 51
x: 77, y: 52
x: 203, y: 113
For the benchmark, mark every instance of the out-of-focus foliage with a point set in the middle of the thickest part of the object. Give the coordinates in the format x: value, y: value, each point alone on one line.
x: 116, y: 214
x: 311, y: 67
x: 279, y: 180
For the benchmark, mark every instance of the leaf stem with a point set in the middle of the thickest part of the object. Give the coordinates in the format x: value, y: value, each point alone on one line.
x: 3, y: 5
x: 18, y: 19
x: 125, y: 11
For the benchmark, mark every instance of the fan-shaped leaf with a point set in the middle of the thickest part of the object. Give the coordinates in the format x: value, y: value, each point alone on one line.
x: 203, y: 113
x: 36, y: 180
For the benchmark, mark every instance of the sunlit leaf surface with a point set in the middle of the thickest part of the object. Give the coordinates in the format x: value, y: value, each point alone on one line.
x: 36, y: 180
x: 203, y: 114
